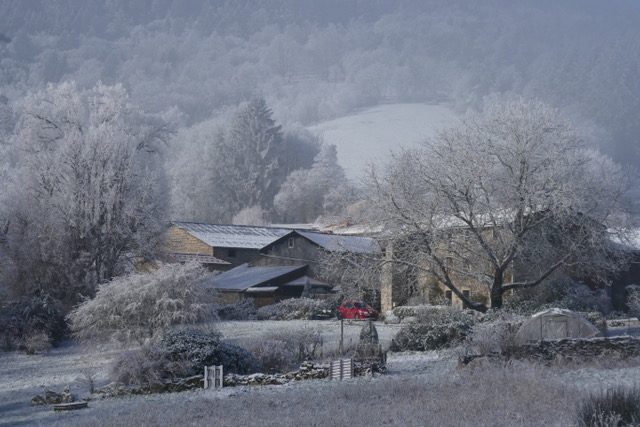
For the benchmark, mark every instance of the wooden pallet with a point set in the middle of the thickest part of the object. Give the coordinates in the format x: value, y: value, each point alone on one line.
x: 70, y: 406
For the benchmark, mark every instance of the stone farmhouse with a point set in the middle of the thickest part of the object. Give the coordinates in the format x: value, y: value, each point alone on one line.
x: 266, y: 264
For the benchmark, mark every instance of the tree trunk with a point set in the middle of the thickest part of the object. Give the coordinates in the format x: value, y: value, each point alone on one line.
x: 496, y: 291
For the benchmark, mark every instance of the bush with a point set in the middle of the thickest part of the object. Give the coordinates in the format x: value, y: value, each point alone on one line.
x: 29, y: 323
x: 137, y: 306
x: 146, y: 365
x: 205, y: 348
x: 560, y: 293
x: 38, y: 342
x: 179, y: 354
x: 434, y: 329
x: 495, y: 337
x: 244, y: 309
x: 615, y: 407
x: 285, y: 350
x: 297, y: 308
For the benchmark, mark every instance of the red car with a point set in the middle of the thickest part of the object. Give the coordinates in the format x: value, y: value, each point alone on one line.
x: 356, y: 310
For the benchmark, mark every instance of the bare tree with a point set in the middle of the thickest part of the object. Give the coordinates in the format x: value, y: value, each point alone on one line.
x: 357, y: 274
x: 506, y: 199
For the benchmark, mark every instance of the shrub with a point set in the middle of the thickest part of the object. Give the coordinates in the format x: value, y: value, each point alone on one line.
x: 496, y: 337
x: 560, y: 293
x: 633, y: 301
x: 244, y: 309
x: 178, y: 354
x: 614, y: 407
x: 285, y: 350
x: 297, y: 308
x: 434, y: 329
x: 29, y: 322
x: 137, y: 306
x: 275, y: 356
x: 38, y: 342
x: 205, y: 348
x: 146, y: 365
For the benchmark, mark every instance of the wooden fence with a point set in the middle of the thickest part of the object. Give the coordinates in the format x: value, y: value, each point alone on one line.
x: 213, y: 377
x: 341, y: 369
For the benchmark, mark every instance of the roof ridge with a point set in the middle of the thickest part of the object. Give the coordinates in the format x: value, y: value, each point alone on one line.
x: 230, y: 225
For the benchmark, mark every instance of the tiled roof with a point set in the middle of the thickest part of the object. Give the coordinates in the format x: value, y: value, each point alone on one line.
x: 245, y: 276
x: 233, y: 236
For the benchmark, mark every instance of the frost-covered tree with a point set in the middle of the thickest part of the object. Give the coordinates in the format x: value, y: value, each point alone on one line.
x: 89, y: 190
x: 252, y: 165
x: 138, y: 306
x: 308, y: 193
x: 512, y: 189
x: 233, y: 163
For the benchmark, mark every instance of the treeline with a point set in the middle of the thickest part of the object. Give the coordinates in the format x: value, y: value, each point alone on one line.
x: 313, y: 61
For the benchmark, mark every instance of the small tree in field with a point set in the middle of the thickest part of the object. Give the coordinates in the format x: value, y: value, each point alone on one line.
x: 137, y: 306
x: 512, y: 187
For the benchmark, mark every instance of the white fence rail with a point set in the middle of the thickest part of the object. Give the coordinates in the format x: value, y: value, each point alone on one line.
x: 341, y: 369
x: 213, y: 377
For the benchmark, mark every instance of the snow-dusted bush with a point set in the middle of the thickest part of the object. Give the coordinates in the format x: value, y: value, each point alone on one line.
x: 244, y: 309
x: 286, y: 349
x: 495, y: 337
x: 137, y: 306
x: 38, y: 342
x: 28, y: 320
x: 181, y: 353
x: 146, y: 365
x: 275, y: 356
x: 434, y: 329
x: 202, y: 348
x: 633, y: 301
x: 562, y: 292
x: 297, y: 308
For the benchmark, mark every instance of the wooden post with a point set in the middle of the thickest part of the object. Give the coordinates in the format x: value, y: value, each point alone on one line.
x: 341, y: 337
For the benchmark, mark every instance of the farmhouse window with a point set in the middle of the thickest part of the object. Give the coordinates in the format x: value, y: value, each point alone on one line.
x: 291, y: 242
x: 231, y: 253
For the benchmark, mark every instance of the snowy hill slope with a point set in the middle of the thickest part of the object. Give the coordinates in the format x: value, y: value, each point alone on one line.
x: 370, y: 135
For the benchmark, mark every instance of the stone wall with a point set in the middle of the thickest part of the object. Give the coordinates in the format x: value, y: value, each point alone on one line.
x: 580, y: 349
x: 179, y: 241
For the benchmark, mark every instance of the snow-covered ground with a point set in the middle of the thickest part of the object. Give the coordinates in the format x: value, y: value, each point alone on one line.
x: 427, y: 375
x: 22, y: 376
x: 243, y: 332
x: 372, y: 134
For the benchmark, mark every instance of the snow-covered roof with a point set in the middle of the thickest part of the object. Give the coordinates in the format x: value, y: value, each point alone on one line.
x: 233, y: 236
x: 302, y: 281
x: 245, y: 276
x: 341, y: 243
x: 202, y: 259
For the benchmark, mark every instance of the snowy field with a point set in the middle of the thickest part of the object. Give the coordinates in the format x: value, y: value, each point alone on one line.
x: 22, y: 376
x: 418, y: 390
x: 370, y: 135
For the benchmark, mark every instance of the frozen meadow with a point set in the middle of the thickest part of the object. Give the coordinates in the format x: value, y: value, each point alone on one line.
x: 419, y: 389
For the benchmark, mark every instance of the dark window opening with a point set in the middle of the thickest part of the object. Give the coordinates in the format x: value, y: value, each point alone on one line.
x: 231, y: 253
x: 291, y: 242
x: 448, y: 295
